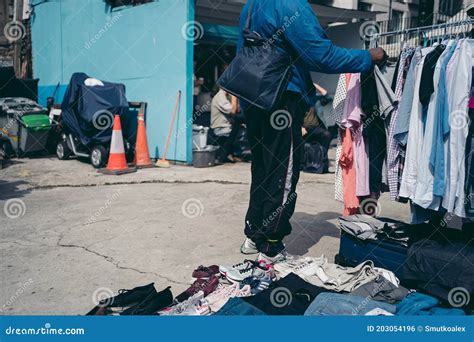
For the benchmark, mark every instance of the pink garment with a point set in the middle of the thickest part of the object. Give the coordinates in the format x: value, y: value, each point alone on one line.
x: 352, y: 118
x: 351, y: 201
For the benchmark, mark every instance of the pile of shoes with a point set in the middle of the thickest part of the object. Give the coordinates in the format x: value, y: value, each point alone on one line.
x: 142, y: 300
x: 213, y: 286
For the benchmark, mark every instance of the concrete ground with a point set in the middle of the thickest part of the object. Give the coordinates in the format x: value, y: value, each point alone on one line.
x: 77, y: 235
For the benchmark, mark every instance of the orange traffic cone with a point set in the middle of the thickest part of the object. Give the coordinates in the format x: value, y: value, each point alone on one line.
x: 142, y: 155
x: 117, y: 164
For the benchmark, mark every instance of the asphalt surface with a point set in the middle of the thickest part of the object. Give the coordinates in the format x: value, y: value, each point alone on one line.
x: 70, y: 235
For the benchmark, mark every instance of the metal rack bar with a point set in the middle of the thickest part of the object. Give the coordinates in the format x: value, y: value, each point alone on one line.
x: 424, y: 28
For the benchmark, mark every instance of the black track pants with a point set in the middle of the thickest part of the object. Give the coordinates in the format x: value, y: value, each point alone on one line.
x: 276, y: 144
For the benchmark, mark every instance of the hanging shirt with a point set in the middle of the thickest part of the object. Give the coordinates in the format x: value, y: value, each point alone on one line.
x: 441, y: 125
x: 459, y: 96
x: 352, y: 119
x: 400, y: 133
x: 427, y: 79
x: 393, y: 148
x: 337, y: 112
x: 387, y: 99
x: 351, y: 201
x: 424, y: 196
x: 415, y: 136
x: 373, y: 131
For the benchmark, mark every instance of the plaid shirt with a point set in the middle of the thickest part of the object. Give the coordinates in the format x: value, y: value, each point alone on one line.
x: 393, y: 148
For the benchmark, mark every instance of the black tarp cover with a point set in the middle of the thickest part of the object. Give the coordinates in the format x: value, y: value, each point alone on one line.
x: 87, y: 111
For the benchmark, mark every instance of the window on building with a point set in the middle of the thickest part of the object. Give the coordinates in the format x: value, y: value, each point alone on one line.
x: 397, y: 20
x: 450, y: 7
x: 362, y: 6
x: 118, y: 3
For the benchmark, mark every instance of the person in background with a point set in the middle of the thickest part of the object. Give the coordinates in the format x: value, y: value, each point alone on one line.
x: 314, y: 130
x: 277, y: 151
x: 225, y: 122
x: 198, y: 82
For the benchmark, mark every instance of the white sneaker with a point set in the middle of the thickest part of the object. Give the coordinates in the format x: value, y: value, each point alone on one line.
x: 248, y: 247
x: 237, y: 267
x: 280, y: 257
x: 295, y: 265
x: 253, y: 268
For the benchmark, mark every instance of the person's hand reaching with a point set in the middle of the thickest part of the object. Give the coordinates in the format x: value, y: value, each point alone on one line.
x: 378, y: 55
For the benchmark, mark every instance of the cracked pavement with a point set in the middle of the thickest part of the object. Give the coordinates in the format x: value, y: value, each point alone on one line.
x: 82, y: 232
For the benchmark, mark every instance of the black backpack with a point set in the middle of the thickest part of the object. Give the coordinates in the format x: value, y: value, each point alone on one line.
x: 315, y: 159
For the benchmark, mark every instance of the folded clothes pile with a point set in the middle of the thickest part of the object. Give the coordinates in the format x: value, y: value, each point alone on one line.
x: 366, y: 227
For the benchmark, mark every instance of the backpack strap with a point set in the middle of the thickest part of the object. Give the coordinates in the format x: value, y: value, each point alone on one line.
x: 249, y: 15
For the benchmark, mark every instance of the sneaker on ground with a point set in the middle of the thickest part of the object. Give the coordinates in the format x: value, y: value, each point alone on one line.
x: 248, y: 247
x: 257, y: 283
x: 151, y: 304
x: 204, y: 272
x: 240, y: 266
x: 216, y: 300
x: 124, y: 300
x: 280, y: 257
x: 205, y: 285
x: 186, y: 308
x: 253, y: 268
x: 303, y: 267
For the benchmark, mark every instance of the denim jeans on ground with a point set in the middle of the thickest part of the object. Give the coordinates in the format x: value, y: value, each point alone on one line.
x: 332, y: 304
x: 238, y: 307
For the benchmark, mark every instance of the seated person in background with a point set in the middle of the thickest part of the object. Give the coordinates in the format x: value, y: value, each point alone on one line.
x: 225, y: 121
x: 314, y: 130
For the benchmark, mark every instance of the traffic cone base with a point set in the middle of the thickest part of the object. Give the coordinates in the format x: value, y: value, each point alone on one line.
x: 117, y: 164
x: 105, y: 171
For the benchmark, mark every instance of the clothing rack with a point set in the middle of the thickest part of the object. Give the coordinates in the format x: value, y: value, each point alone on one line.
x: 466, y: 22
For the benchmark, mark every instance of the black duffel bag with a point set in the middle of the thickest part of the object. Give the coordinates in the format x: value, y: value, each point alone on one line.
x: 260, y: 73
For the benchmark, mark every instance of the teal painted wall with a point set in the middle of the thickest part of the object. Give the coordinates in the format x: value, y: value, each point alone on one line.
x: 142, y: 46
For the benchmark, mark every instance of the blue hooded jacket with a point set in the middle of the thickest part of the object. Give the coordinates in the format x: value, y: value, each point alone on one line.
x: 292, y: 25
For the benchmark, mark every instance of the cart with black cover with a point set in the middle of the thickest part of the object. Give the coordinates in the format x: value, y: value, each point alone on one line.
x: 87, y: 117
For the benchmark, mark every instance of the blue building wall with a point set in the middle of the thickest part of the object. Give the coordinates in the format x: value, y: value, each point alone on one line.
x: 141, y: 46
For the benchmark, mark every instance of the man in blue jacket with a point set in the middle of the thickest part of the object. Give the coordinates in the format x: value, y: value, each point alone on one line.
x: 275, y: 138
